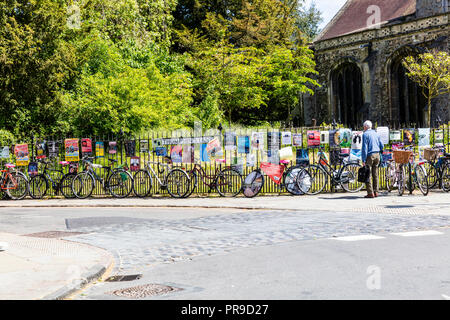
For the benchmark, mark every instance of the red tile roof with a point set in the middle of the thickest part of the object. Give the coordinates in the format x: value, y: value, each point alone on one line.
x: 353, y: 16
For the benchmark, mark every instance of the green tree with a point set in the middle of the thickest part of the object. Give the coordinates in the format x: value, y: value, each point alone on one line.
x: 431, y: 70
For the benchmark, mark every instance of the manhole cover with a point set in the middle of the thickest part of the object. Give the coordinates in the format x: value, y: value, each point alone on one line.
x: 143, y: 291
x: 54, y: 234
x: 118, y: 278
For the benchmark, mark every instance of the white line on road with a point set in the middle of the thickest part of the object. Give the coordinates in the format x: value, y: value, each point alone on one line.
x: 418, y: 233
x: 446, y: 297
x: 358, y: 238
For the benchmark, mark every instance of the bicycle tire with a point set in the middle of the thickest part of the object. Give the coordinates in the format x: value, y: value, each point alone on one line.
x: 22, y: 188
x: 83, y: 185
x: 253, y: 184
x: 421, y: 179
x: 193, y: 177
x: 122, y: 181
x: 229, y: 182
x: 291, y: 182
x: 432, y: 176
x: 352, y: 184
x: 319, y: 179
x: 142, y: 183
x: 65, y: 185
x: 400, y: 181
x: 38, y: 186
x: 390, y: 177
x: 445, y: 178
x: 178, y: 183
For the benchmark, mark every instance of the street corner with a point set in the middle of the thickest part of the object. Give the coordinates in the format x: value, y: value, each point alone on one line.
x: 33, y: 268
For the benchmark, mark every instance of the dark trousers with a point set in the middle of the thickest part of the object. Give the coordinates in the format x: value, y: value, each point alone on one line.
x: 373, y: 160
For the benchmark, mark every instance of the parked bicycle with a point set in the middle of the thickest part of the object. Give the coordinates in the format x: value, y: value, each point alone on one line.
x: 296, y: 180
x: 13, y: 183
x: 176, y: 181
x: 61, y: 182
x: 438, y: 168
x: 346, y: 176
x: 118, y: 182
x: 226, y: 181
x: 404, y: 172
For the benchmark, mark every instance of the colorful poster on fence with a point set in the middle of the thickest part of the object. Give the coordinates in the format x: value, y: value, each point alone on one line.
x: 40, y: 150
x: 86, y: 146
x: 357, y: 140
x: 99, y: 149
x: 409, y: 136
x: 334, y: 138
x: 439, y: 137
x: 424, y: 137
x: 112, y: 147
x: 297, y: 140
x: 32, y: 169
x: 176, y: 153
x: 244, y: 144
x: 286, y: 138
x: 355, y: 154
x: 188, y: 153
x: 395, y: 135
x: 251, y: 160
x: 130, y: 148
x: 72, y: 150
x: 214, y: 148
x: 160, y: 151
x: 135, y: 164
x: 345, y: 138
x: 384, y: 134
x: 4, y: 152
x: 313, y: 138
x: 273, y: 140
x: 302, y: 157
x: 230, y: 141
x: 258, y: 140
x: 143, y: 146
x: 22, y: 154
x: 203, y: 153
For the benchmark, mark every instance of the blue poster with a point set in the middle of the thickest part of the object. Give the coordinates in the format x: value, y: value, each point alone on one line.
x: 203, y: 153
x: 161, y: 151
x: 244, y: 144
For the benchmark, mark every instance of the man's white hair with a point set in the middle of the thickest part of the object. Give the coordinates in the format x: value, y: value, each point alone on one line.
x: 368, y: 124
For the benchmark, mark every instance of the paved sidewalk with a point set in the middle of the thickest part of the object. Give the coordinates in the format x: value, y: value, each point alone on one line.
x: 437, y: 202
x: 42, y: 268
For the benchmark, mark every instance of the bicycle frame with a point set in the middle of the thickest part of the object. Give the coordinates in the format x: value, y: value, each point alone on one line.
x: 323, y: 163
x: 6, y: 174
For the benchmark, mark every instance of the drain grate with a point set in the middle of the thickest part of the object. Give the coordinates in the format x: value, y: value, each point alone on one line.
x: 118, y: 278
x: 53, y: 234
x: 144, y: 291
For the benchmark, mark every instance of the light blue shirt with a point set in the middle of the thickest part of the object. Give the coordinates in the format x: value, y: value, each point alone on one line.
x: 371, y: 143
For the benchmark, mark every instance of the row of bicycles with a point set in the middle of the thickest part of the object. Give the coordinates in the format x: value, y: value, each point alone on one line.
x: 402, y: 172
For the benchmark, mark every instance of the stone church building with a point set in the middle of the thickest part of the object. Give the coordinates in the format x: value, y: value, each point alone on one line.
x: 359, y: 56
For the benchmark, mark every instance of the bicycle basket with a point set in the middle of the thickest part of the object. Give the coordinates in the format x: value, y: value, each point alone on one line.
x: 401, y: 156
x: 430, y: 154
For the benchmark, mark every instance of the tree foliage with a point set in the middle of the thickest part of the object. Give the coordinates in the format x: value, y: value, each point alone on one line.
x: 431, y: 70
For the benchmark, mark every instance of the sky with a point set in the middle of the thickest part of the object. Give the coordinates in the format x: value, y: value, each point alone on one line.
x: 328, y: 8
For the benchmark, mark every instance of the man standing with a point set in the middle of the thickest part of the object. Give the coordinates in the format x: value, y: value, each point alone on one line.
x: 370, y: 154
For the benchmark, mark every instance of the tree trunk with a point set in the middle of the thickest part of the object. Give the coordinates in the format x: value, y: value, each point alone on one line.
x: 429, y: 112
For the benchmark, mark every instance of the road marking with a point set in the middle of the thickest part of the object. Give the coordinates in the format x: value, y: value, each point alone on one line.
x: 359, y: 238
x: 418, y: 233
x: 446, y: 297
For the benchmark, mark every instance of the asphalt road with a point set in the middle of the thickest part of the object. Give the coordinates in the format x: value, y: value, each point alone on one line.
x: 257, y: 254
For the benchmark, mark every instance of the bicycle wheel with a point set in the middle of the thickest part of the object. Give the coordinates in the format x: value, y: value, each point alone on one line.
x: 193, y: 183
x: 178, y: 183
x: 319, y: 179
x: 401, y: 181
x: 432, y: 175
x: 120, y: 184
x: 83, y: 185
x: 229, y: 183
x: 253, y: 184
x: 296, y: 186
x: 65, y: 185
x: 142, y: 183
x: 445, y: 178
x: 38, y: 186
x: 17, y: 187
x: 421, y: 179
x: 390, y: 177
x: 349, y: 178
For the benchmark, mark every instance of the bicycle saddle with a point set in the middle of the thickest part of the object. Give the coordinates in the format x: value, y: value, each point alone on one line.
x: 344, y: 155
x: 64, y: 163
x: 284, y: 162
x: 10, y: 165
x: 112, y: 160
